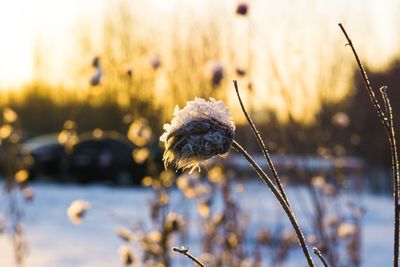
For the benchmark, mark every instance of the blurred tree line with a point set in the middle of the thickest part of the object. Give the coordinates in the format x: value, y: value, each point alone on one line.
x: 143, y: 80
x: 347, y: 127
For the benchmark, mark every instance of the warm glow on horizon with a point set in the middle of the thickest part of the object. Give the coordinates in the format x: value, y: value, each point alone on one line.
x: 41, y: 38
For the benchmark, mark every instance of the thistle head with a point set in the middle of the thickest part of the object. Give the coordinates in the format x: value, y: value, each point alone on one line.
x: 201, y: 130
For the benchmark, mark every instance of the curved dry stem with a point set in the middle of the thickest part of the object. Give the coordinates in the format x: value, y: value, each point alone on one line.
x: 319, y: 255
x: 185, y: 251
x: 261, y: 144
x: 387, y: 121
x: 367, y: 83
x: 280, y: 198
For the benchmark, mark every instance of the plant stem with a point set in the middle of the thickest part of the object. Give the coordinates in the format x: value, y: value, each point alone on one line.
x: 261, y: 144
x: 387, y: 121
x: 280, y: 198
x: 319, y: 254
x: 185, y: 251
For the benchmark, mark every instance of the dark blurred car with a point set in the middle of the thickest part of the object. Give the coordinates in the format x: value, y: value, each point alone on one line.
x: 48, y: 155
x: 107, y: 159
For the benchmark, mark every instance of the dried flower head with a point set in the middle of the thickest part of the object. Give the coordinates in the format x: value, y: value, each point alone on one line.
x: 126, y: 255
x: 77, y: 210
x: 340, y: 119
x: 289, y: 237
x: 201, y: 130
x: 264, y: 237
x: 96, y: 77
x: 9, y: 115
x: 124, y: 234
x: 347, y: 230
x: 139, y: 132
x: 96, y: 62
x: 129, y: 72
x: 240, y: 71
x: 174, y: 222
x: 215, y: 73
x: 140, y: 155
x: 154, y: 61
x: 242, y: 9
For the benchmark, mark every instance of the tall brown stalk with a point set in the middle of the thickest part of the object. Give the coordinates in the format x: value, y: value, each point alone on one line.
x: 386, y: 117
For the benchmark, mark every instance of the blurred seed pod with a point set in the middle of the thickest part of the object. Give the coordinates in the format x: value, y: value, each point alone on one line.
x: 139, y: 132
x: 167, y: 178
x: 97, y: 133
x: 140, y: 155
x: 264, y: 237
x: 242, y: 9
x: 318, y: 182
x: 154, y: 61
x: 240, y: 71
x: 215, y: 73
x: 216, y: 175
x: 163, y: 198
x: 124, y: 234
x: 332, y: 220
x: 9, y: 115
x: 77, y: 210
x: 203, y: 209
x: 312, y: 239
x: 346, y: 230
x: 126, y: 255
x: 289, y: 237
x: 147, y: 181
x: 232, y: 240
x: 127, y: 118
x: 5, y: 131
x: 340, y: 119
x: 96, y: 62
x: 96, y: 77
x: 21, y: 176
x: 129, y: 72
x: 174, y: 222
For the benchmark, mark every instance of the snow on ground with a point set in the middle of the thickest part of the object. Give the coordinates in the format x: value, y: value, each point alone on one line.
x: 55, y: 242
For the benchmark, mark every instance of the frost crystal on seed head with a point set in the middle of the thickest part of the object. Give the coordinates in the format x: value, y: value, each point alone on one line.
x: 199, y: 131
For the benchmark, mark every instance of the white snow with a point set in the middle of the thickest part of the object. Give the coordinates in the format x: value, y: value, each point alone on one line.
x: 56, y: 242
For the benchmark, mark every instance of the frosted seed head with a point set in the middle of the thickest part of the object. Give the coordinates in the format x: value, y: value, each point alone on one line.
x: 201, y: 130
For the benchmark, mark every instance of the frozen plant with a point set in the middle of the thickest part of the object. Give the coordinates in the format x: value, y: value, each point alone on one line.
x: 204, y: 129
x: 386, y: 117
x: 201, y: 130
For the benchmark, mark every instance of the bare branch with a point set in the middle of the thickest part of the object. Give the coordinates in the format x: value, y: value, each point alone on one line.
x: 185, y: 251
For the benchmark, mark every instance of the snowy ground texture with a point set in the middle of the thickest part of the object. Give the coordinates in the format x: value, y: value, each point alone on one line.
x: 55, y: 242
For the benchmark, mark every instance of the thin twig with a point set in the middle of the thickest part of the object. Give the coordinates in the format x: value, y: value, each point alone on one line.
x: 261, y: 144
x: 367, y: 83
x: 387, y: 121
x: 185, y: 251
x: 280, y: 198
x: 319, y: 255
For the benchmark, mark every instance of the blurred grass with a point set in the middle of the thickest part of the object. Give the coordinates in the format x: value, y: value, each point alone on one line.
x: 296, y: 88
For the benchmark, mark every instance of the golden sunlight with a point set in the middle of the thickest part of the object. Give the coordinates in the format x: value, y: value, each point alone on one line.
x: 53, y: 42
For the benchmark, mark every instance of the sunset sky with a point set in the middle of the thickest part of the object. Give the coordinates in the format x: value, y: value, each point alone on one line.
x: 48, y: 26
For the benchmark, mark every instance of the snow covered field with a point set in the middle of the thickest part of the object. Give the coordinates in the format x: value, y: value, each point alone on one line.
x: 55, y: 242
